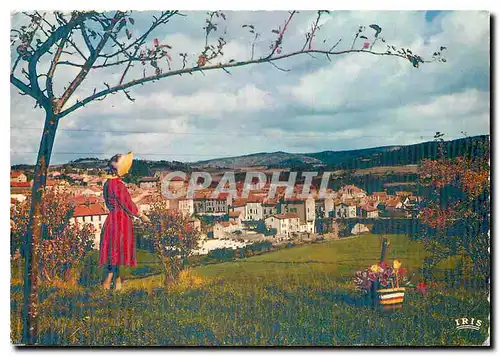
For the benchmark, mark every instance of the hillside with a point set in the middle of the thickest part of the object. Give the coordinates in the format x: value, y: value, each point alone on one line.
x: 301, y: 296
x: 272, y: 160
x: 360, y: 160
x: 351, y: 159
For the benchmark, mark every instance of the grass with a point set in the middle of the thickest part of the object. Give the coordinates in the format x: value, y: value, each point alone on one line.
x: 291, y: 297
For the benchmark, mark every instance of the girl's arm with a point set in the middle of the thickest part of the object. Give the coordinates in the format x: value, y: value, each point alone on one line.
x: 123, y: 197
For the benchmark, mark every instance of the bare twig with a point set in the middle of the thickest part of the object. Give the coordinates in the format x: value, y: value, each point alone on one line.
x: 279, y: 68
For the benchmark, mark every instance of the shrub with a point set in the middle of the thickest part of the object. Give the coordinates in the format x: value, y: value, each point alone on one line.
x: 173, y: 238
x: 63, y: 243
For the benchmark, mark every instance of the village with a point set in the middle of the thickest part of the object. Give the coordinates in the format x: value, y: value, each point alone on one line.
x: 228, y: 222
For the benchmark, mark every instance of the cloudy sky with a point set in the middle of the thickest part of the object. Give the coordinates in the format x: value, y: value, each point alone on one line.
x: 353, y: 101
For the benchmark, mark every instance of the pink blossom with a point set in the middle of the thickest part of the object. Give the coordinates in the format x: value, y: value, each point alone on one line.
x: 366, y: 45
x: 422, y: 287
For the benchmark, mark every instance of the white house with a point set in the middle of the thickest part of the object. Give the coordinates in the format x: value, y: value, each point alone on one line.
x: 284, y: 224
x: 325, y: 207
x: 269, y: 208
x: 18, y: 197
x: 186, y: 206
x: 92, y: 191
x: 345, y: 211
x: 236, y: 216
x: 94, y: 214
x: 148, y: 182
x: 224, y: 228
x: 254, y: 211
x: 393, y: 204
x: 18, y: 177
x: 351, y: 192
x: 304, y: 208
x: 204, y: 205
x: 368, y: 211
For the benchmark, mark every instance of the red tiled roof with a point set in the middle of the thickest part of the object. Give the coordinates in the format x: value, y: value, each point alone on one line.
x: 240, y: 202
x: 286, y: 216
x: 293, y: 200
x: 353, y: 187
x: 222, y: 195
x: 368, y: 208
x: 20, y: 184
x: 15, y: 174
x: 392, y: 202
x: 235, y: 214
x: 82, y: 200
x: 93, y: 209
x: 255, y: 199
x: 200, y: 195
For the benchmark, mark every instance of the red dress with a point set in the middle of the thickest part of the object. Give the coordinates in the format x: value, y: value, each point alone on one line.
x: 117, y: 245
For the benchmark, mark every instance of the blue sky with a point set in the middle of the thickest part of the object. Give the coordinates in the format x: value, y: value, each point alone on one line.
x: 353, y: 101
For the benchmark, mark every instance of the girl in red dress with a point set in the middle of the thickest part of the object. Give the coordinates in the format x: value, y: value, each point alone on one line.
x: 117, y: 246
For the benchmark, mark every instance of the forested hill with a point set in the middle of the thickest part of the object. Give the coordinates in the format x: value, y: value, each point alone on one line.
x: 400, y: 155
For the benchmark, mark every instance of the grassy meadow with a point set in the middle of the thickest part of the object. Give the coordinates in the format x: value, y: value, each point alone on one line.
x: 300, y: 296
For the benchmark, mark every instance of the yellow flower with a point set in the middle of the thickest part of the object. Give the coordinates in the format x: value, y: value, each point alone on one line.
x: 376, y: 268
x: 396, y: 264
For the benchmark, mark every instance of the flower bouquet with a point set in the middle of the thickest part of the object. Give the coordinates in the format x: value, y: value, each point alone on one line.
x: 386, y: 284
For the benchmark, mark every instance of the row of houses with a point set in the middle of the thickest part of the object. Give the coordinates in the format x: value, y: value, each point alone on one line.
x: 285, y: 215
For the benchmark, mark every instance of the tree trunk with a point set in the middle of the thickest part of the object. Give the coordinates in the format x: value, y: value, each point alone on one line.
x: 31, y: 244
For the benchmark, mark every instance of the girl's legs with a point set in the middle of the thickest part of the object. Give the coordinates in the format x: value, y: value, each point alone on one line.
x: 118, y: 280
x: 111, y: 273
x: 108, y: 278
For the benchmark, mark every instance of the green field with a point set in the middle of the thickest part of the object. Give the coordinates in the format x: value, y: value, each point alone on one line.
x: 291, y: 297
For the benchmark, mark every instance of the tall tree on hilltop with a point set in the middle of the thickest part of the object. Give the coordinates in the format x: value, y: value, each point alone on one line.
x: 90, y: 41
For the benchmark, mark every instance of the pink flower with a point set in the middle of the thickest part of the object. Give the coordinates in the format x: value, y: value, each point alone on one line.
x: 422, y: 287
x: 278, y: 50
x: 383, y: 265
x: 366, y: 45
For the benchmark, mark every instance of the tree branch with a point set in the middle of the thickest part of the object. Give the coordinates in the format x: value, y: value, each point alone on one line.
x: 87, y: 41
x: 22, y: 86
x: 53, y: 64
x: 88, y: 64
x: 151, y: 78
x: 279, y: 40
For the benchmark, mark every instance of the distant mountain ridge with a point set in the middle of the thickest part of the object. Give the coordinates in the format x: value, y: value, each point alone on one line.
x: 349, y: 159
x: 258, y: 159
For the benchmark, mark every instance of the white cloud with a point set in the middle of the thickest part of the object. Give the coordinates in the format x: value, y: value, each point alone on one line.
x: 354, y: 101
